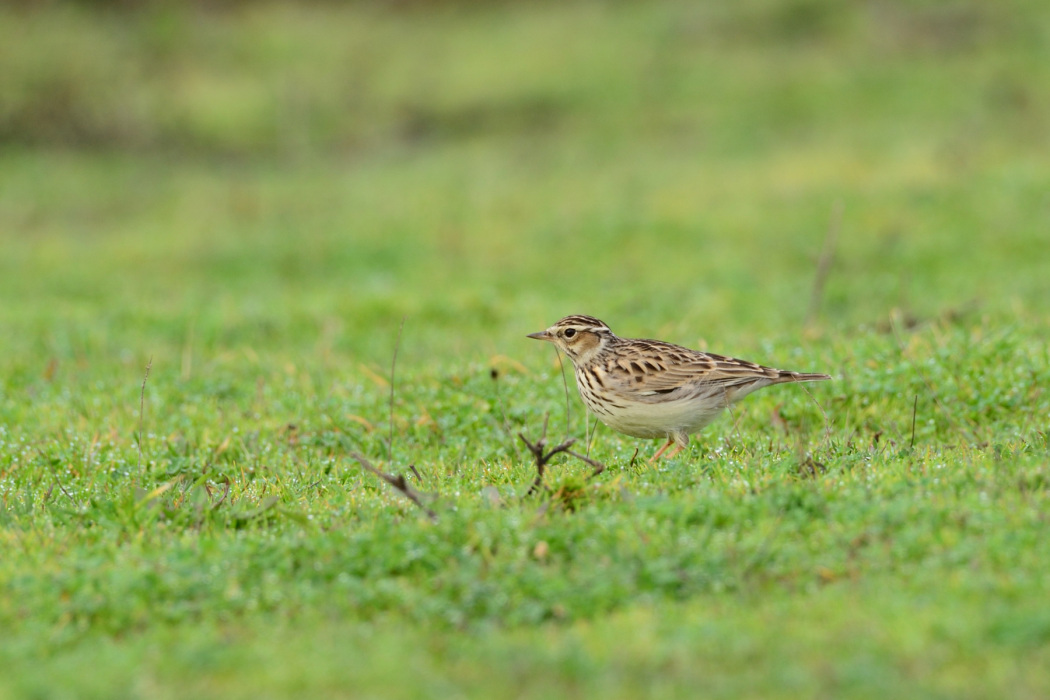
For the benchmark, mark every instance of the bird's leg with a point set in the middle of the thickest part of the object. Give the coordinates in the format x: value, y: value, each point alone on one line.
x: 679, y: 440
x: 661, y: 450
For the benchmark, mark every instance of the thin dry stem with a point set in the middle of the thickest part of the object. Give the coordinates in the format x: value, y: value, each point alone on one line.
x: 142, y: 408
x: 565, y: 385
x: 393, y: 368
x: 593, y: 429
x: 505, y: 424
x: 914, y: 410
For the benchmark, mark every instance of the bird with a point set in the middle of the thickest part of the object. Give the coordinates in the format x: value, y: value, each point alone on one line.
x: 650, y: 388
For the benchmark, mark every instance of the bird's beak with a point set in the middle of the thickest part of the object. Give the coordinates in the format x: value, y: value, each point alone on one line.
x: 542, y: 335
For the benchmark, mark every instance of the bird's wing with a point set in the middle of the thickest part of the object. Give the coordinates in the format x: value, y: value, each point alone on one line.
x: 661, y: 368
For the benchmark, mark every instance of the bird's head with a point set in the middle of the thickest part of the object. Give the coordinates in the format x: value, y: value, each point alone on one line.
x: 579, y: 337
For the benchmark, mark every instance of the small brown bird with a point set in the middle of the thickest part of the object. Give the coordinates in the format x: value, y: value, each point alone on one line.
x: 648, y: 388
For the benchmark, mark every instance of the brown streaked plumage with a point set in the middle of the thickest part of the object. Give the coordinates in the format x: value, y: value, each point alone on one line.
x: 649, y: 388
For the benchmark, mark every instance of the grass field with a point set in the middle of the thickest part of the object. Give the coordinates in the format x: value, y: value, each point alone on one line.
x: 250, y: 202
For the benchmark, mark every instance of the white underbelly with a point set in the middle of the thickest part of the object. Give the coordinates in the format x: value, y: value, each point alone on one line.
x: 651, y: 420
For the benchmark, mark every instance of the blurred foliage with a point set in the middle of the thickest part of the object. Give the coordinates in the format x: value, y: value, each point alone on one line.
x: 295, y: 171
x: 227, y: 78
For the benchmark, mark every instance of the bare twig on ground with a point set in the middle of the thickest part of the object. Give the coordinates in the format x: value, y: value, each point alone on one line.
x: 398, y: 482
x: 227, y: 485
x: 598, y: 466
x: 412, y: 468
x: 543, y: 456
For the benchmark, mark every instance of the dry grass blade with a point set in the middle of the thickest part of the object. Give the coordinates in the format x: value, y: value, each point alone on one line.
x: 504, y: 423
x: 393, y: 369
x: 142, y: 406
x: 914, y: 410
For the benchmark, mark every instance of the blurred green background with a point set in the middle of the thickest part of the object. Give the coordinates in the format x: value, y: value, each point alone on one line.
x: 313, y: 172
x: 252, y: 196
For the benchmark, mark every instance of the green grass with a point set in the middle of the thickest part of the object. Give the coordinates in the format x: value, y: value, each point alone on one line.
x: 252, y: 201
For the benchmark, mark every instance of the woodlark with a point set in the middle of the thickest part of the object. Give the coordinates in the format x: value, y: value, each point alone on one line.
x: 648, y: 388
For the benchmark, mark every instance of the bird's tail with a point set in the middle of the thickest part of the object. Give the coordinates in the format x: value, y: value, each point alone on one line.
x: 786, y: 376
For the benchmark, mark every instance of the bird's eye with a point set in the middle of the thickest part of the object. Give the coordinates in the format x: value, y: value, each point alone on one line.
x: 570, y: 332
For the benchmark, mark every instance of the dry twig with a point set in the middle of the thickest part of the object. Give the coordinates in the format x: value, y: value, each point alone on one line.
x: 398, y: 482
x: 598, y: 466
x: 227, y: 485
x: 543, y: 456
